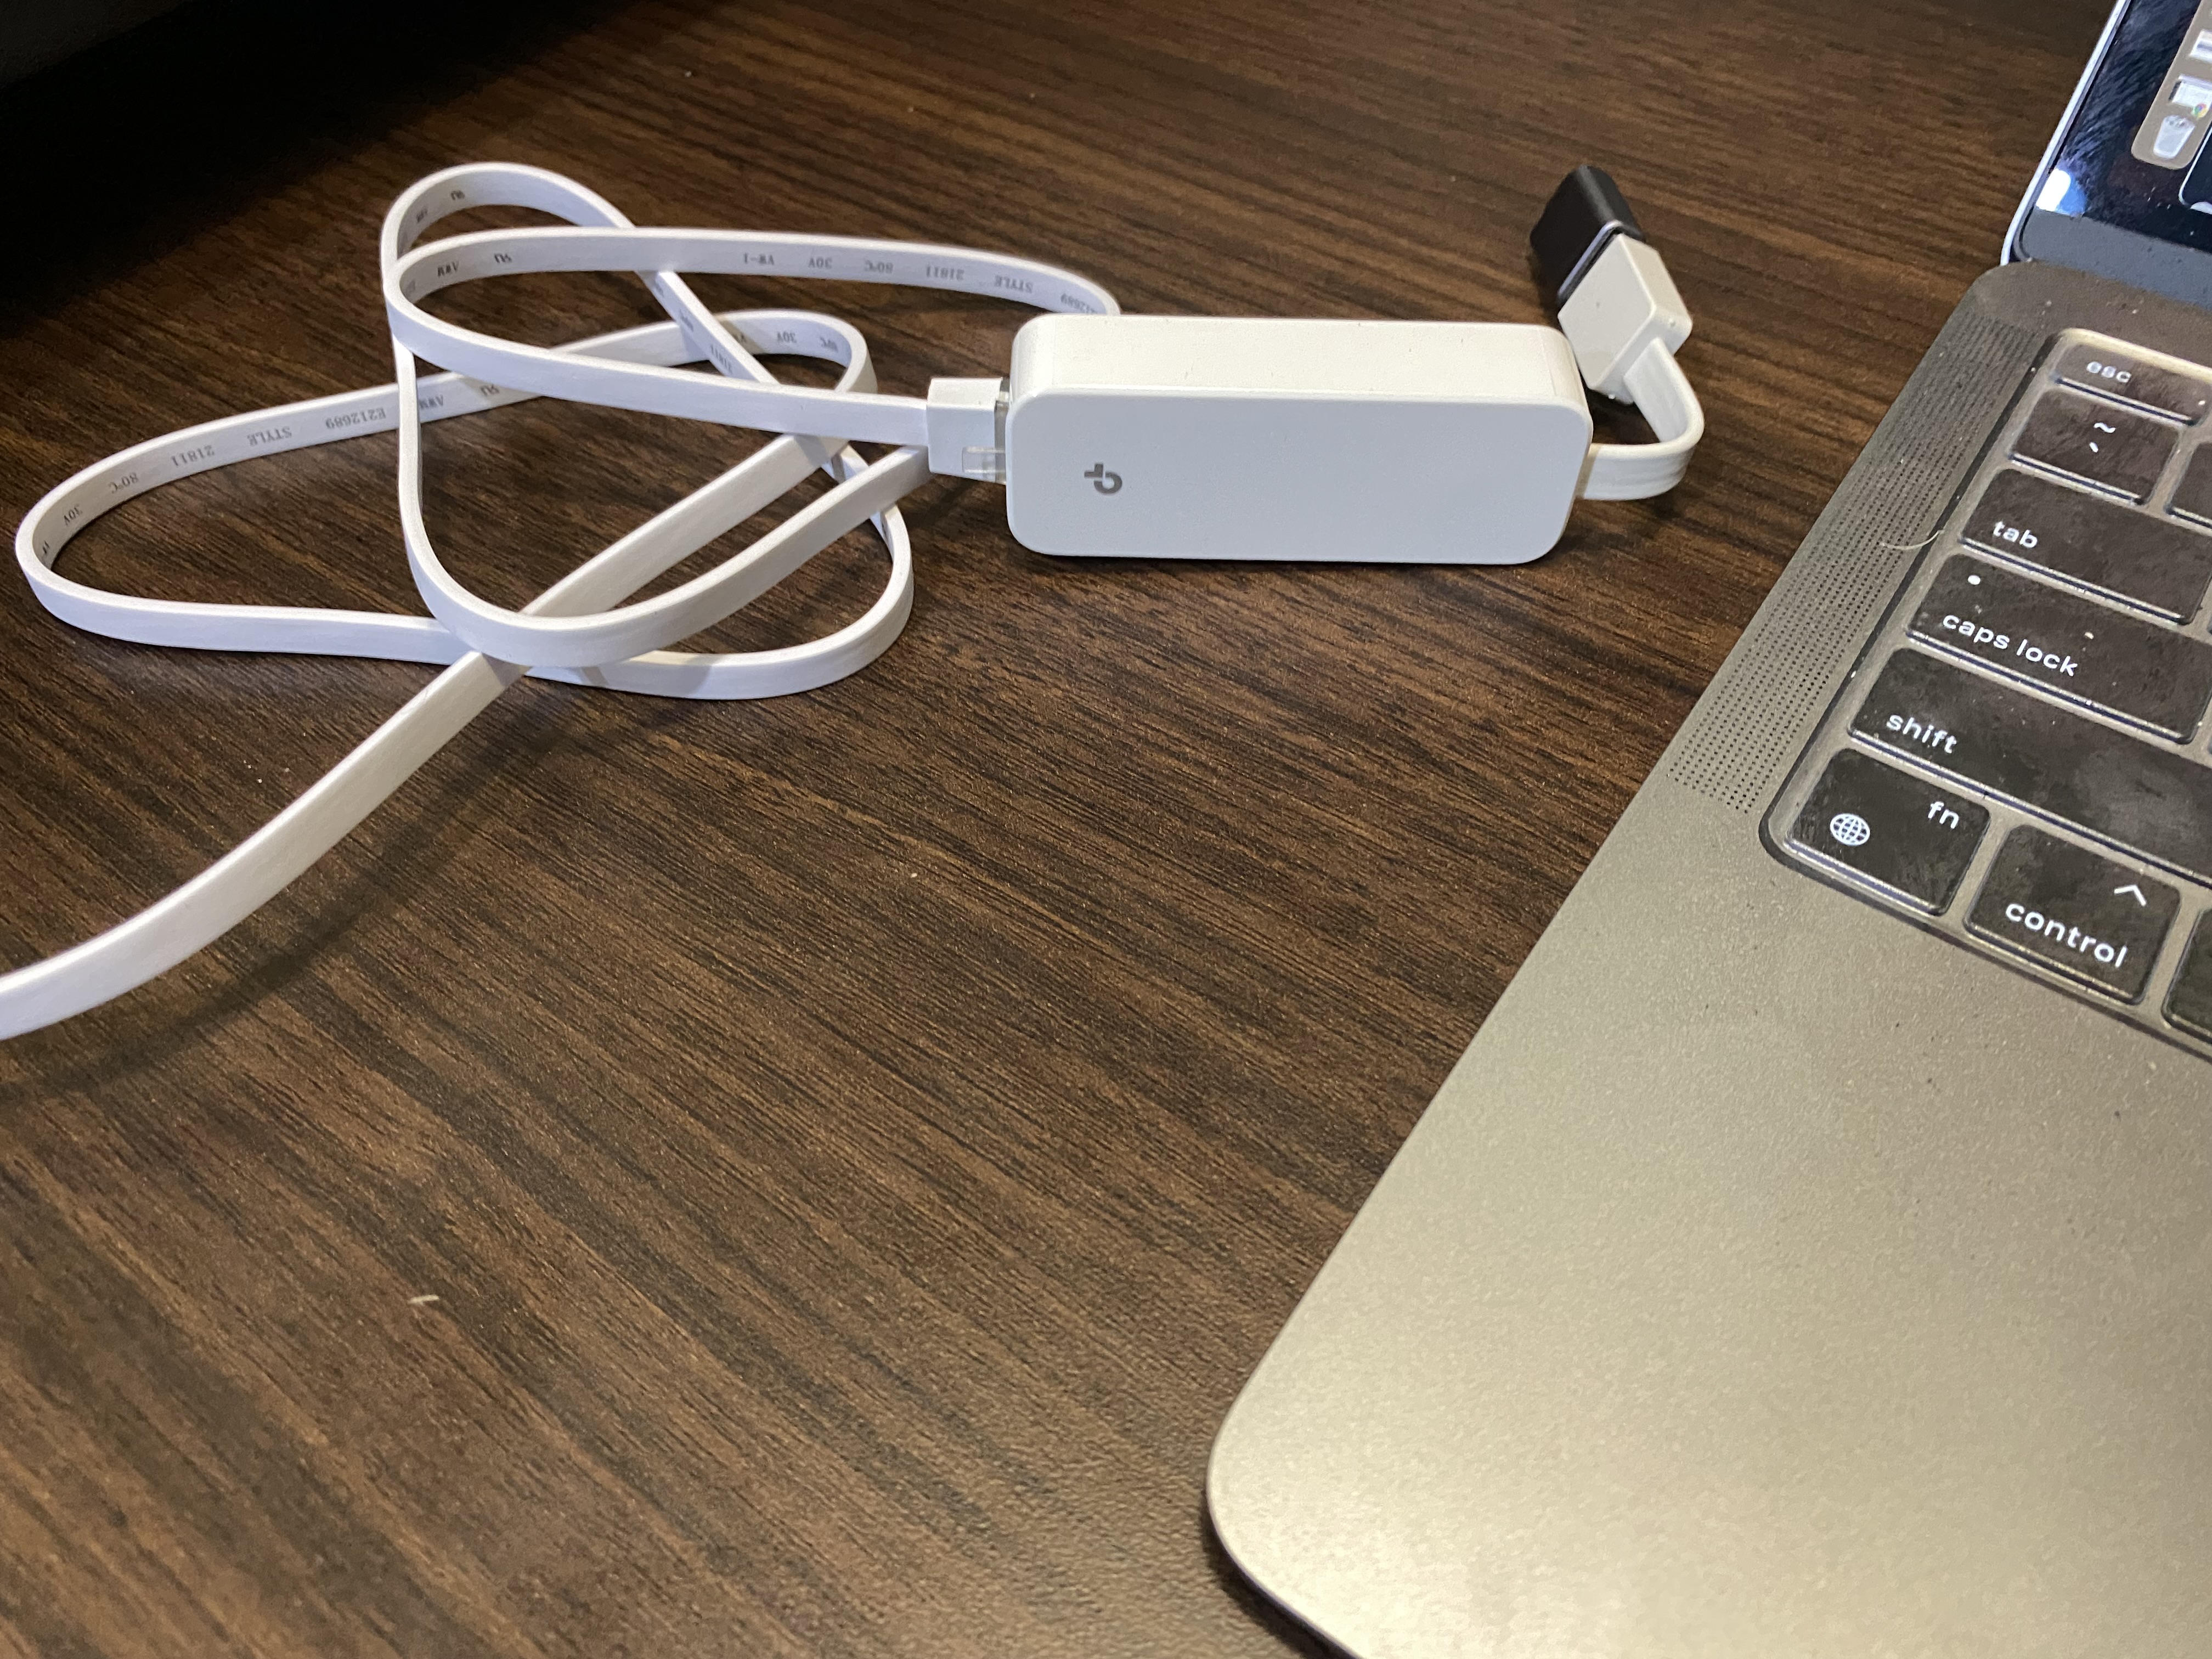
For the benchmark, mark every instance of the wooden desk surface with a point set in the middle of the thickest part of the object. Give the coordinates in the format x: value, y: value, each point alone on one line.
x: 858, y: 1144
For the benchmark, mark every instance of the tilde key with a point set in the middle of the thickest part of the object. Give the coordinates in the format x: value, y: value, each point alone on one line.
x: 2094, y: 442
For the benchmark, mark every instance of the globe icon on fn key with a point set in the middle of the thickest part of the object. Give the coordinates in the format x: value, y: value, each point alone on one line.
x: 1849, y: 830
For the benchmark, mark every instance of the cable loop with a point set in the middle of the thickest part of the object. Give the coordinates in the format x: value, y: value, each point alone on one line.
x: 580, y: 630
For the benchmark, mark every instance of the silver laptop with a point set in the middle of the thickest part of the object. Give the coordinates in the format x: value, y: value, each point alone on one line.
x: 1812, y: 1255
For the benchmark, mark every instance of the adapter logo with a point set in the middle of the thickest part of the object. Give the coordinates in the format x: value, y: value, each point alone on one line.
x: 1105, y: 483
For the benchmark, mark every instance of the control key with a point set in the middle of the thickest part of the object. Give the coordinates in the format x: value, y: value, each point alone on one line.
x: 2064, y: 907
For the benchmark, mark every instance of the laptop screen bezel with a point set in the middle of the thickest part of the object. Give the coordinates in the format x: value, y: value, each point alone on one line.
x: 2105, y: 250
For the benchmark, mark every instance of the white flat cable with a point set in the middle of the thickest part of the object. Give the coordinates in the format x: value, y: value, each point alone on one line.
x: 1626, y: 321
x: 578, y: 631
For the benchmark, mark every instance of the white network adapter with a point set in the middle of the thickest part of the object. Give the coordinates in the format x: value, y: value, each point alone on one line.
x: 1396, y: 442
x: 1248, y: 438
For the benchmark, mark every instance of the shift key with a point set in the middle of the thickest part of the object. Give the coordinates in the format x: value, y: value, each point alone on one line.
x: 2073, y: 646
x: 2154, y: 801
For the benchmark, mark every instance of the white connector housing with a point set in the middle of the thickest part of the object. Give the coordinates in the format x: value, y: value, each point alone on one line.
x: 1250, y: 438
x: 963, y: 429
x: 1625, y: 302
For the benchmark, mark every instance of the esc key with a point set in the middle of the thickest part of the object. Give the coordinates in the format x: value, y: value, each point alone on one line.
x: 2131, y: 380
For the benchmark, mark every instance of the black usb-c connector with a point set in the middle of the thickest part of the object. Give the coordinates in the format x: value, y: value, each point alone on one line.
x: 1585, y: 212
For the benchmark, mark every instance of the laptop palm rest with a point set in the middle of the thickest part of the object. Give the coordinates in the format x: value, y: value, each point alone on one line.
x: 1770, y: 1276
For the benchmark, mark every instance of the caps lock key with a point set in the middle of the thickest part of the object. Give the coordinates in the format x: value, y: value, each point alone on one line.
x: 2083, y: 651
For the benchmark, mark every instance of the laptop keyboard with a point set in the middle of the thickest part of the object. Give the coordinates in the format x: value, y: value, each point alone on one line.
x: 2020, y: 760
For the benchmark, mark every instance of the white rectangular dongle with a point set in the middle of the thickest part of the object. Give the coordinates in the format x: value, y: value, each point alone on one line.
x: 1253, y: 438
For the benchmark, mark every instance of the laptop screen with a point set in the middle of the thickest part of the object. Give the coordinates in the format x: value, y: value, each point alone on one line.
x: 2134, y: 153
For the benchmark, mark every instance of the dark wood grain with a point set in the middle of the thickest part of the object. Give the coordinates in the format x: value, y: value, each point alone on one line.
x: 860, y: 1142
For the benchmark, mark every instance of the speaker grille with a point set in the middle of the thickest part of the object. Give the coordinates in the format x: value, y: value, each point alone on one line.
x: 1778, y: 681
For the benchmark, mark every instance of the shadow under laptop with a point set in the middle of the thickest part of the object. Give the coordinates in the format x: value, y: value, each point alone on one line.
x: 1257, y: 1605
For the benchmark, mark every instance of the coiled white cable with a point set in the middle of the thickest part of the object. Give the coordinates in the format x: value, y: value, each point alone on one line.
x: 579, y: 629
x: 568, y: 632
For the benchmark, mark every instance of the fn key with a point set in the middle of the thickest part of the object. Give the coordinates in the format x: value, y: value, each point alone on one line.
x: 1890, y: 828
